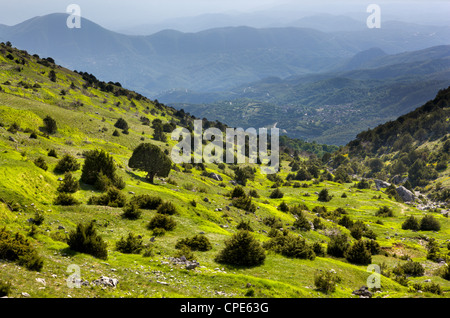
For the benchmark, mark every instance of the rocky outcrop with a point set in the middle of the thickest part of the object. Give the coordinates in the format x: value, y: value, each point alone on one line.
x: 381, y: 184
x: 405, y: 194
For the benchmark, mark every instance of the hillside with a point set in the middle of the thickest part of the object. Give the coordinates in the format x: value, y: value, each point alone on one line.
x: 47, y: 112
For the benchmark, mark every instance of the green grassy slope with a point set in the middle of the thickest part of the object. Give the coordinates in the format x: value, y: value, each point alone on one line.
x: 85, y: 118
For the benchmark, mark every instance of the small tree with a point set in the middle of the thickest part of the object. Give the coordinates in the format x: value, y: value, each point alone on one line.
x: 151, y: 159
x: 69, y: 184
x: 429, y: 223
x: 411, y: 223
x: 50, y: 125
x: 131, y: 245
x: 97, y: 161
x: 276, y: 194
x: 242, y: 249
x: 86, y: 240
x: 121, y: 124
x: 324, y: 196
x: 359, y: 254
x: 67, y: 163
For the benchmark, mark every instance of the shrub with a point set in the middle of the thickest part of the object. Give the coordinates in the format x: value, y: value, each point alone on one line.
x: 185, y: 251
x: 69, y: 184
x: 411, y: 223
x: 244, y: 225
x: 40, y: 162
x: 196, y: 243
x: 317, y: 223
x: 372, y: 246
x: 363, y: 184
x: 146, y: 201
x: 244, y: 203
x: 283, y: 207
x: 86, y: 240
x: 272, y: 222
x: 338, y: 245
x: 116, y: 133
x: 358, y: 254
x: 253, y: 193
x: 346, y: 221
x: 318, y: 249
x: 67, y: 163
x: 410, y: 268
x: 429, y: 223
x: 38, y: 218
x: 161, y: 221
x: 131, y: 245
x: 5, y: 288
x: 432, y: 250
x: 384, y: 211
x: 324, y: 196
x: 238, y: 192
x: 113, y: 198
x: 16, y: 248
x: 242, y: 249
x: 302, y: 222
x: 52, y: 153
x: 276, y: 194
x: 290, y: 246
x: 65, y: 199
x: 446, y: 273
x: 131, y: 211
x: 97, y: 161
x: 121, y: 124
x: 50, y: 125
x: 325, y: 281
x: 167, y: 208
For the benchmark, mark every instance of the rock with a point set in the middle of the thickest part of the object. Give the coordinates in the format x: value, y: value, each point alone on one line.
x: 106, y: 281
x: 25, y: 294
x: 206, y: 199
x: 363, y: 292
x: 381, y: 184
x: 152, y: 239
x: 215, y: 176
x: 12, y: 139
x: 398, y: 180
x: 405, y: 194
x: 61, y: 227
x: 427, y: 280
x: 41, y: 280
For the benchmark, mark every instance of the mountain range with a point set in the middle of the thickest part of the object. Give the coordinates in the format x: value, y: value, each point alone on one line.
x: 322, y: 78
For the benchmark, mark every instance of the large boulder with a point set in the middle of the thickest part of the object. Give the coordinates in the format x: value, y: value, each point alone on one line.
x: 405, y: 194
x: 381, y: 184
x: 215, y: 176
x: 363, y: 292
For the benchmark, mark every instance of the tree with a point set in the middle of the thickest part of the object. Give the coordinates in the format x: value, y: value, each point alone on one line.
x: 324, y: 196
x: 50, y: 125
x: 69, y: 184
x: 86, y: 240
x: 411, y: 223
x: 97, y: 161
x: 158, y: 132
x: 359, y: 254
x: 52, y: 76
x: 121, y: 124
x: 242, y: 249
x: 67, y: 163
x: 151, y: 159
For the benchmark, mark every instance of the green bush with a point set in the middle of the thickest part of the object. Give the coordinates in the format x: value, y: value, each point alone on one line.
x: 162, y: 221
x: 238, y: 192
x: 131, y: 211
x: 242, y: 249
x: 5, y: 288
x: 244, y: 203
x: 290, y: 246
x: 52, y: 153
x: 272, y: 222
x: 384, y: 211
x: 318, y: 249
x: 253, y: 193
x: 67, y: 163
x: 167, y: 208
x: 446, y: 273
x: 16, y: 248
x: 196, y: 243
x: 411, y: 223
x: 40, y: 162
x: 113, y: 198
x: 338, y: 245
x: 325, y: 281
x: 283, y: 207
x: 244, y: 225
x: 147, y: 202
x: 324, y: 196
x: 185, y: 251
x: 65, y: 199
x: 302, y: 222
x: 38, y: 218
x: 131, y: 245
x: 69, y: 184
x: 86, y: 240
x: 410, y: 268
x: 429, y: 223
x: 276, y: 194
x: 358, y: 254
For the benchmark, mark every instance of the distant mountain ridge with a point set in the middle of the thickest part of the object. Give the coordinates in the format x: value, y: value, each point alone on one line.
x: 211, y: 60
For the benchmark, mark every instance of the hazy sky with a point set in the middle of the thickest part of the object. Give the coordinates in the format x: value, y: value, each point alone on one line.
x: 115, y: 14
